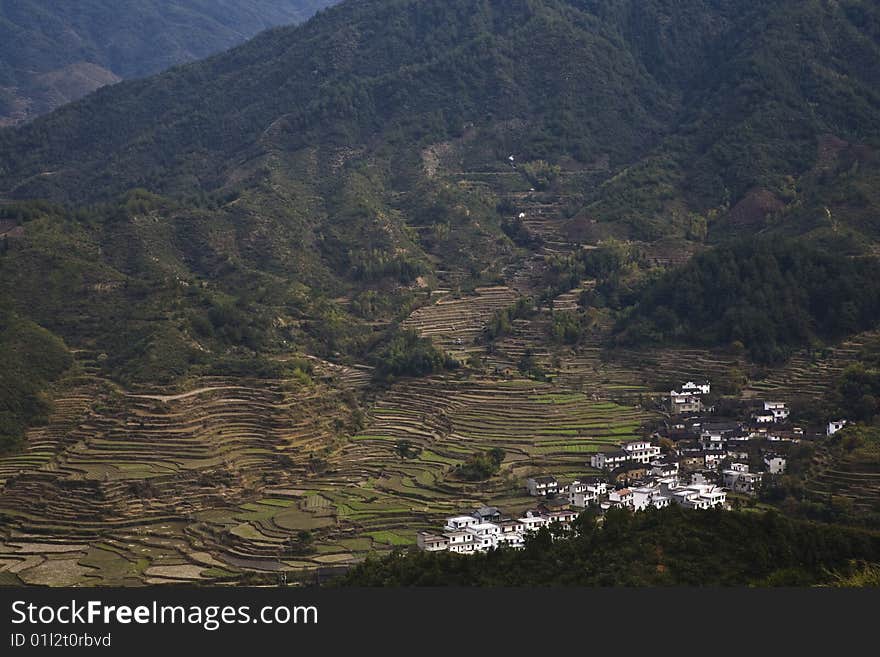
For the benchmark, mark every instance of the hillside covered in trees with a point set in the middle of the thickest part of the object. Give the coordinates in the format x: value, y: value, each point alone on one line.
x: 668, y: 547
x: 769, y: 297
x: 56, y: 52
x: 244, y: 193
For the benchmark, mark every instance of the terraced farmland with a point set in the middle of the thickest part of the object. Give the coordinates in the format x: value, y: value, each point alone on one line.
x: 857, y: 481
x: 455, y: 323
x: 231, y: 478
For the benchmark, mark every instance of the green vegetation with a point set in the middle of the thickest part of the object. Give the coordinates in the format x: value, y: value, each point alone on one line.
x: 480, y: 467
x: 770, y: 297
x: 32, y: 359
x: 407, y: 354
x: 669, y: 547
x: 501, y: 323
x: 836, y: 479
x: 858, y: 393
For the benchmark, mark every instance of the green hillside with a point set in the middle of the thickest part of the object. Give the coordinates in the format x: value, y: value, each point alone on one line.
x: 298, y: 192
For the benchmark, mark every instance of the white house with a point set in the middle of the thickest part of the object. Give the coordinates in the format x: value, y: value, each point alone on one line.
x: 432, y: 542
x: 533, y: 523
x: 700, y: 496
x: 511, y: 527
x: 485, y: 535
x: 740, y: 480
x: 459, y: 523
x: 487, y: 514
x: 775, y: 464
x: 697, y: 388
x: 664, y: 468
x: 684, y: 402
x: 510, y: 540
x: 461, y: 541
x: 641, y: 451
x: 763, y: 417
x: 564, y: 517
x: 643, y: 497
x: 609, y: 460
x: 542, y: 486
x: 834, y: 426
x: 623, y: 497
x: 779, y: 410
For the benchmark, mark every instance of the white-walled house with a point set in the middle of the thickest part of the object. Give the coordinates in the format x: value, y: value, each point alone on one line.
x: 740, y: 480
x: 763, y: 417
x: 700, y: 496
x: 684, y: 402
x: 834, y: 426
x: 643, y: 497
x: 623, y: 497
x: 542, y: 486
x: 703, y: 388
x: 459, y: 523
x: 641, y: 451
x: 779, y: 410
x: 775, y: 464
x: 609, y: 460
x: 510, y: 540
x: 487, y: 514
x: 461, y: 541
x: 533, y: 523
x: 564, y: 517
x: 511, y: 527
x: 664, y: 468
x: 430, y: 542
x: 485, y: 535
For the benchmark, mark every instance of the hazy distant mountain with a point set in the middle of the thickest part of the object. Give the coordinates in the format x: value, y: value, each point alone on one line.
x: 52, y: 52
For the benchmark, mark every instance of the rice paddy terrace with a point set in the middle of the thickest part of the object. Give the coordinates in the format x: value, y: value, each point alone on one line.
x: 845, y: 478
x: 223, y: 479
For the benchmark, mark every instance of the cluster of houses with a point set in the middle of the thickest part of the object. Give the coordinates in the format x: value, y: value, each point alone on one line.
x: 690, y: 398
x: 487, y: 529
x: 661, y: 487
x: 714, y: 458
x: 736, y: 454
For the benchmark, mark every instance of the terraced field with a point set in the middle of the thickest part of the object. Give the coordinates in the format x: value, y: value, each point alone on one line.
x: 235, y: 478
x: 857, y: 481
x: 266, y: 476
x: 455, y: 323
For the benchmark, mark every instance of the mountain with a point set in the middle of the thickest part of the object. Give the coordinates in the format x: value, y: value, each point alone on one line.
x: 55, y: 52
x: 308, y: 189
x: 303, y: 298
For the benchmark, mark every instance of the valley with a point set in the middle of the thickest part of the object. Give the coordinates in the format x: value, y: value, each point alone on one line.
x: 250, y: 480
x: 272, y: 312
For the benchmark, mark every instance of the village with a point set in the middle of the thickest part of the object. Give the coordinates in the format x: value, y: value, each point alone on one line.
x: 703, y: 459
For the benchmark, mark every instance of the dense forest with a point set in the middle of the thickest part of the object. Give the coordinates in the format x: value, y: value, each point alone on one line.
x: 768, y: 297
x: 668, y: 547
x: 55, y: 52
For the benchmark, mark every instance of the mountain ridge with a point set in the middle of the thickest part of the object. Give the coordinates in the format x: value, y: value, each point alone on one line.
x: 116, y: 40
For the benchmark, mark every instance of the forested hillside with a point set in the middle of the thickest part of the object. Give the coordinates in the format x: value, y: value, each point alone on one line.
x: 56, y: 52
x: 769, y: 297
x: 269, y: 180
